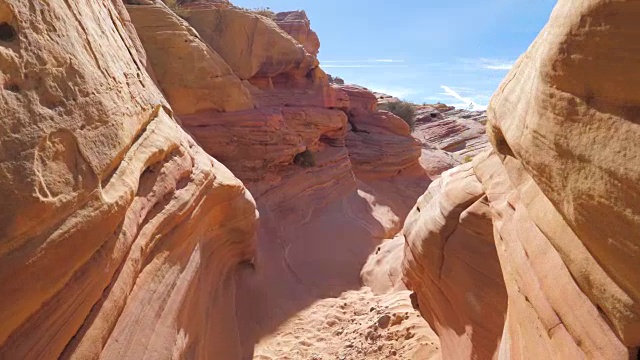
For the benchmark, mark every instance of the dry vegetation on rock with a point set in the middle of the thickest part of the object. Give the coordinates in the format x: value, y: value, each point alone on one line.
x: 403, y: 109
x: 262, y: 11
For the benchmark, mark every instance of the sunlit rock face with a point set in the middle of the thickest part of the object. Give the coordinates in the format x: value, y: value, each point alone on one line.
x: 450, y: 262
x: 192, y: 76
x: 119, y: 235
x: 560, y: 188
x: 327, y: 198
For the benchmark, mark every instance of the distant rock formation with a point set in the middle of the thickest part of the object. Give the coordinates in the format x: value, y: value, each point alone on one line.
x: 297, y: 24
x: 459, y: 133
x: 335, y: 80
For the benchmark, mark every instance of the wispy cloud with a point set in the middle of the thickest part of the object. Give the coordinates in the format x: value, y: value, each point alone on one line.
x: 486, y: 64
x: 465, y: 101
x: 399, y: 92
x: 364, y: 61
x: 498, y: 66
x: 362, y: 66
x: 371, y: 63
x: 387, y: 61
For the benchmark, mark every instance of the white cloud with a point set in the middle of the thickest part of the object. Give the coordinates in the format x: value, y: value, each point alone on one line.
x: 398, y: 92
x: 504, y: 66
x: 363, y: 61
x: 465, y: 102
x: 387, y: 61
x: 362, y: 66
x: 488, y: 64
x: 495, y: 64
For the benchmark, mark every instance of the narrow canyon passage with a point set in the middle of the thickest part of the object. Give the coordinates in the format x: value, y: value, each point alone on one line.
x: 311, y: 251
x: 182, y: 180
x: 358, y: 324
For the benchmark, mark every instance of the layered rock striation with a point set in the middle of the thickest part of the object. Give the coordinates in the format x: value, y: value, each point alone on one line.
x: 321, y: 161
x: 119, y: 235
x: 559, y: 188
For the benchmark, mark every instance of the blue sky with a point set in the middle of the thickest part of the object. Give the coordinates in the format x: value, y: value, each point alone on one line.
x: 452, y: 51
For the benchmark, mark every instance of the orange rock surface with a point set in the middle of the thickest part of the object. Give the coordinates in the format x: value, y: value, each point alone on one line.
x: 560, y: 189
x: 451, y: 262
x: 297, y: 24
x: 167, y: 195
x: 193, y: 77
x: 123, y: 234
x: 341, y: 210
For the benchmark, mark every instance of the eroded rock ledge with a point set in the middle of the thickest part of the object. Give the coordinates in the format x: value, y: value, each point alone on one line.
x: 125, y: 235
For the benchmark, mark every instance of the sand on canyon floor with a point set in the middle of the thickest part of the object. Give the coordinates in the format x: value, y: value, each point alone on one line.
x: 356, y: 325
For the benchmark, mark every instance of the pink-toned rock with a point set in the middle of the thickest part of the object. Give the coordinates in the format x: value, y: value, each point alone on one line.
x: 297, y: 24
x: 451, y: 264
x: 435, y: 162
x: 460, y: 133
x: 119, y: 235
x: 428, y: 113
x: 379, y: 142
x: 383, y: 98
x: 362, y: 102
x: 561, y: 188
x: 257, y: 142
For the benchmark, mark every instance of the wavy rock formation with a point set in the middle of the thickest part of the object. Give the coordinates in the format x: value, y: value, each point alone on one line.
x: 225, y: 29
x: 459, y: 133
x: 193, y: 77
x: 452, y: 264
x: 297, y: 149
x: 380, y: 143
x: 123, y: 234
x: 560, y: 191
x: 448, y: 136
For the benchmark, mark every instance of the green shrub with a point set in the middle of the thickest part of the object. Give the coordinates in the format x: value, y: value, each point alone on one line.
x: 467, y: 159
x: 402, y: 109
x: 305, y: 159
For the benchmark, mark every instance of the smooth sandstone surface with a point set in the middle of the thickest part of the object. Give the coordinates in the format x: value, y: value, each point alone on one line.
x: 575, y: 135
x: 560, y: 188
x: 319, y: 223
x: 193, y: 77
x: 125, y: 239
x: 379, y: 142
x: 450, y: 261
x: 123, y: 233
x: 251, y: 44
